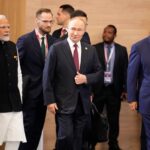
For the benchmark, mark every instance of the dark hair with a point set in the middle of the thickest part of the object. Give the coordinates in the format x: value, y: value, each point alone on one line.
x: 67, y: 8
x: 112, y: 26
x: 41, y: 10
x: 78, y: 13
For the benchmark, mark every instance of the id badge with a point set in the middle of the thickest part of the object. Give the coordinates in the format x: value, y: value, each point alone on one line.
x: 107, y: 77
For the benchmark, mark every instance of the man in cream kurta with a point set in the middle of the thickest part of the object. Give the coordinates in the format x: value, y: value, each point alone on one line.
x: 11, y: 117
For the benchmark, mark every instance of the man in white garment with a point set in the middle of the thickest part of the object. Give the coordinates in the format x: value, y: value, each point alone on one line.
x: 11, y: 118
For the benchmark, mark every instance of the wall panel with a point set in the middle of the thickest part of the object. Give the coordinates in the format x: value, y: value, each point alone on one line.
x: 15, y: 12
x: 130, y: 17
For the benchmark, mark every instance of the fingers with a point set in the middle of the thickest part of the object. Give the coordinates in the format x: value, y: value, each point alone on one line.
x: 52, y: 108
x: 80, y: 78
x: 78, y: 73
x: 56, y: 107
x: 133, y: 106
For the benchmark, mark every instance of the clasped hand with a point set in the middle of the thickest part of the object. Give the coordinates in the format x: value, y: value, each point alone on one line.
x: 80, y: 78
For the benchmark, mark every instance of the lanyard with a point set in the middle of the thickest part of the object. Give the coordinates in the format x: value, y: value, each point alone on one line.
x: 108, y: 59
x: 110, y: 56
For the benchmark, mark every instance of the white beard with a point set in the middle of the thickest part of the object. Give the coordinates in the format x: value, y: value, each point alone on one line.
x: 5, y: 38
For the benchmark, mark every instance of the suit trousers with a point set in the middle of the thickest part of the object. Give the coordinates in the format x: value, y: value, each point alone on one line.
x: 146, y: 122
x: 112, y: 104
x: 34, y: 113
x: 70, y: 129
x: 143, y: 137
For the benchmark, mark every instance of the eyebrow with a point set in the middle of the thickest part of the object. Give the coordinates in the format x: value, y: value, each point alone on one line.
x: 4, y: 26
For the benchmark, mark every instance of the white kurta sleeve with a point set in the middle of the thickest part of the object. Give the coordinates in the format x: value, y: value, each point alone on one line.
x: 19, y: 77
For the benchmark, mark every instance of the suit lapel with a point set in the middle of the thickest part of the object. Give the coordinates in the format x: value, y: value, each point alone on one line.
x: 116, y: 57
x: 68, y: 54
x: 37, y: 49
x: 49, y: 40
x: 103, y: 55
x: 84, y: 56
x: 59, y: 33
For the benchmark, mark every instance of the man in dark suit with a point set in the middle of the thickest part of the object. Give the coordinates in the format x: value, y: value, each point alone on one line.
x: 114, y: 60
x: 62, y: 18
x: 70, y: 68
x: 143, y: 137
x: 82, y: 15
x: 138, y: 72
x: 33, y: 47
x: 77, y: 13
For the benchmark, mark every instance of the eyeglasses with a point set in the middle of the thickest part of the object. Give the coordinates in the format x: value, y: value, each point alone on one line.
x: 4, y: 27
x: 47, y: 21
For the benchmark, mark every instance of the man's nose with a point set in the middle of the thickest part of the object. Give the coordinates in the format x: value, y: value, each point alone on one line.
x: 7, y: 30
x: 75, y: 32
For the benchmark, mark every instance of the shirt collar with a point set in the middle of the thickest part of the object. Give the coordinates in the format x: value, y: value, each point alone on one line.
x: 71, y: 43
x: 38, y: 34
x: 64, y: 29
x: 106, y: 45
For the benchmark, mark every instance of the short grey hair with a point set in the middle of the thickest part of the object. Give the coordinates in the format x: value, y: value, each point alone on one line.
x: 77, y: 18
x: 2, y: 17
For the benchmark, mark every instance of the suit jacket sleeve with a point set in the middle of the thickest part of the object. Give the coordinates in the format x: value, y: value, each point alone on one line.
x: 133, y: 69
x: 86, y: 38
x: 125, y: 57
x: 21, y: 46
x: 98, y: 73
x: 56, y: 34
x: 48, y: 77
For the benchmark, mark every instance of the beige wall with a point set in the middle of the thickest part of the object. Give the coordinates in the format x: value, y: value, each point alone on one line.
x: 130, y: 17
x: 15, y: 11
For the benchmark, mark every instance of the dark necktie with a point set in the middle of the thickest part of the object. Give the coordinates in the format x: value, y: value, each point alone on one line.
x: 76, y: 57
x: 108, y: 50
x: 43, y: 46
